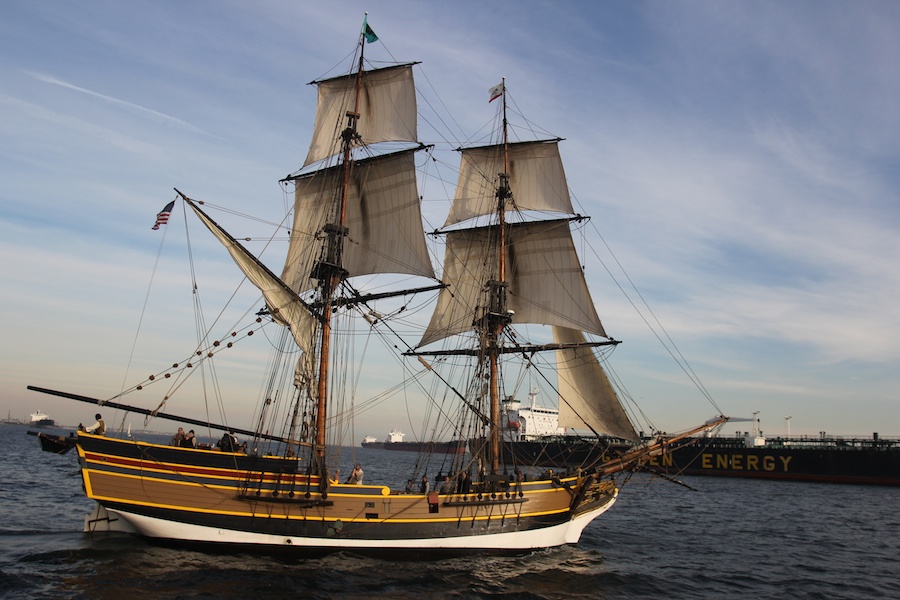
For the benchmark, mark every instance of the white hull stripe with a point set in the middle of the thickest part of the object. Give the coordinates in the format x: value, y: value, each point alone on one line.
x: 556, y: 535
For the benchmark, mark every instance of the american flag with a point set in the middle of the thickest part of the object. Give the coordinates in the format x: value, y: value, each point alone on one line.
x: 163, y: 217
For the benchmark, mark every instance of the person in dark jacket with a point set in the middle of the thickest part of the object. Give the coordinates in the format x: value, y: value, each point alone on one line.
x: 190, y: 440
x: 228, y: 443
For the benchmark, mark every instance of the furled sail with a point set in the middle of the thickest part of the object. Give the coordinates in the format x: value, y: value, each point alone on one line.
x: 384, y: 220
x: 387, y: 109
x: 284, y: 305
x: 536, y: 177
x: 546, y: 283
x: 586, y: 395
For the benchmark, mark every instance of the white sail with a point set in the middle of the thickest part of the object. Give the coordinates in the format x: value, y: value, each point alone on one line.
x: 284, y: 305
x: 384, y: 220
x: 546, y: 283
x: 387, y: 109
x: 587, y: 398
x: 536, y: 177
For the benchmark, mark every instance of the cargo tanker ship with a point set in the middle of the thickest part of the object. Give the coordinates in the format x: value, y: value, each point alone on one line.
x: 395, y: 441
x: 534, y: 436
x: 825, y: 459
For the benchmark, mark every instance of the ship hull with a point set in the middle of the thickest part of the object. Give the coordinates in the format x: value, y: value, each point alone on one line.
x: 430, y: 447
x: 171, y: 527
x: 229, y: 498
x: 57, y: 444
x: 559, y: 453
x: 873, y: 462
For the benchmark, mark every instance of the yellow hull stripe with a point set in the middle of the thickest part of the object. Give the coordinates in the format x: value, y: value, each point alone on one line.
x: 317, y: 518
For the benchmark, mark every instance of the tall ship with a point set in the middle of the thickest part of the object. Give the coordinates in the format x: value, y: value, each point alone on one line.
x: 512, y: 297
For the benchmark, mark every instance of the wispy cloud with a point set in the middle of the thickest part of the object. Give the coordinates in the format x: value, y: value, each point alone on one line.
x: 148, y: 112
x: 110, y: 136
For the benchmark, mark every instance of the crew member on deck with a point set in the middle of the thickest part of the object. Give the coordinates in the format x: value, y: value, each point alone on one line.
x: 177, y: 438
x: 463, y: 484
x: 190, y: 440
x: 356, y: 475
x: 229, y: 442
x: 99, y: 427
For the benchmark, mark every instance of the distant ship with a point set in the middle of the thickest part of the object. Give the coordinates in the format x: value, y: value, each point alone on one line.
x: 532, y: 435
x: 395, y: 441
x: 40, y: 419
x: 827, y: 459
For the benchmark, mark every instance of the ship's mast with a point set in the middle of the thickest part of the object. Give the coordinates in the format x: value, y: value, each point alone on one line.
x: 498, y: 315
x: 330, y: 269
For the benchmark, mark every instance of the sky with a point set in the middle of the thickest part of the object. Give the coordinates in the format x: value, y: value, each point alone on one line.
x: 740, y: 159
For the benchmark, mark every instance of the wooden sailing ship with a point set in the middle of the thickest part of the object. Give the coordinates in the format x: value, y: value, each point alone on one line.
x: 357, y: 212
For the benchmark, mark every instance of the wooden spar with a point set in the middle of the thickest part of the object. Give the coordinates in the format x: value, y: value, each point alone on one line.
x: 655, y: 449
x: 166, y: 416
x: 336, y: 273
x: 358, y: 298
x: 503, y: 193
x: 526, y: 349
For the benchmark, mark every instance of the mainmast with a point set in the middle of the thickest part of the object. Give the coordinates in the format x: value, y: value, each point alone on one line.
x: 498, y: 315
x: 330, y: 270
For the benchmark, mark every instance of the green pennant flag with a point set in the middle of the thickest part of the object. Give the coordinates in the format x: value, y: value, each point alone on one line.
x: 368, y: 32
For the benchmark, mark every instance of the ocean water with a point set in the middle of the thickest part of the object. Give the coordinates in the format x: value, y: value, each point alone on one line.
x: 724, y: 538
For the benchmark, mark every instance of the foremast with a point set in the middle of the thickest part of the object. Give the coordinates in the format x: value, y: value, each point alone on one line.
x: 352, y: 215
x: 330, y: 270
x: 356, y: 210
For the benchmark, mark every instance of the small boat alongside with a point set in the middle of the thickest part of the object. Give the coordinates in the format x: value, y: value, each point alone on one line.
x: 57, y: 444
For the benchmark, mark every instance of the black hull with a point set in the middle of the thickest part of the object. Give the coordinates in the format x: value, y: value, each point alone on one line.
x: 372, y: 530
x: 57, y: 444
x: 430, y: 447
x: 175, y: 455
x: 560, y: 453
x: 871, y: 462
